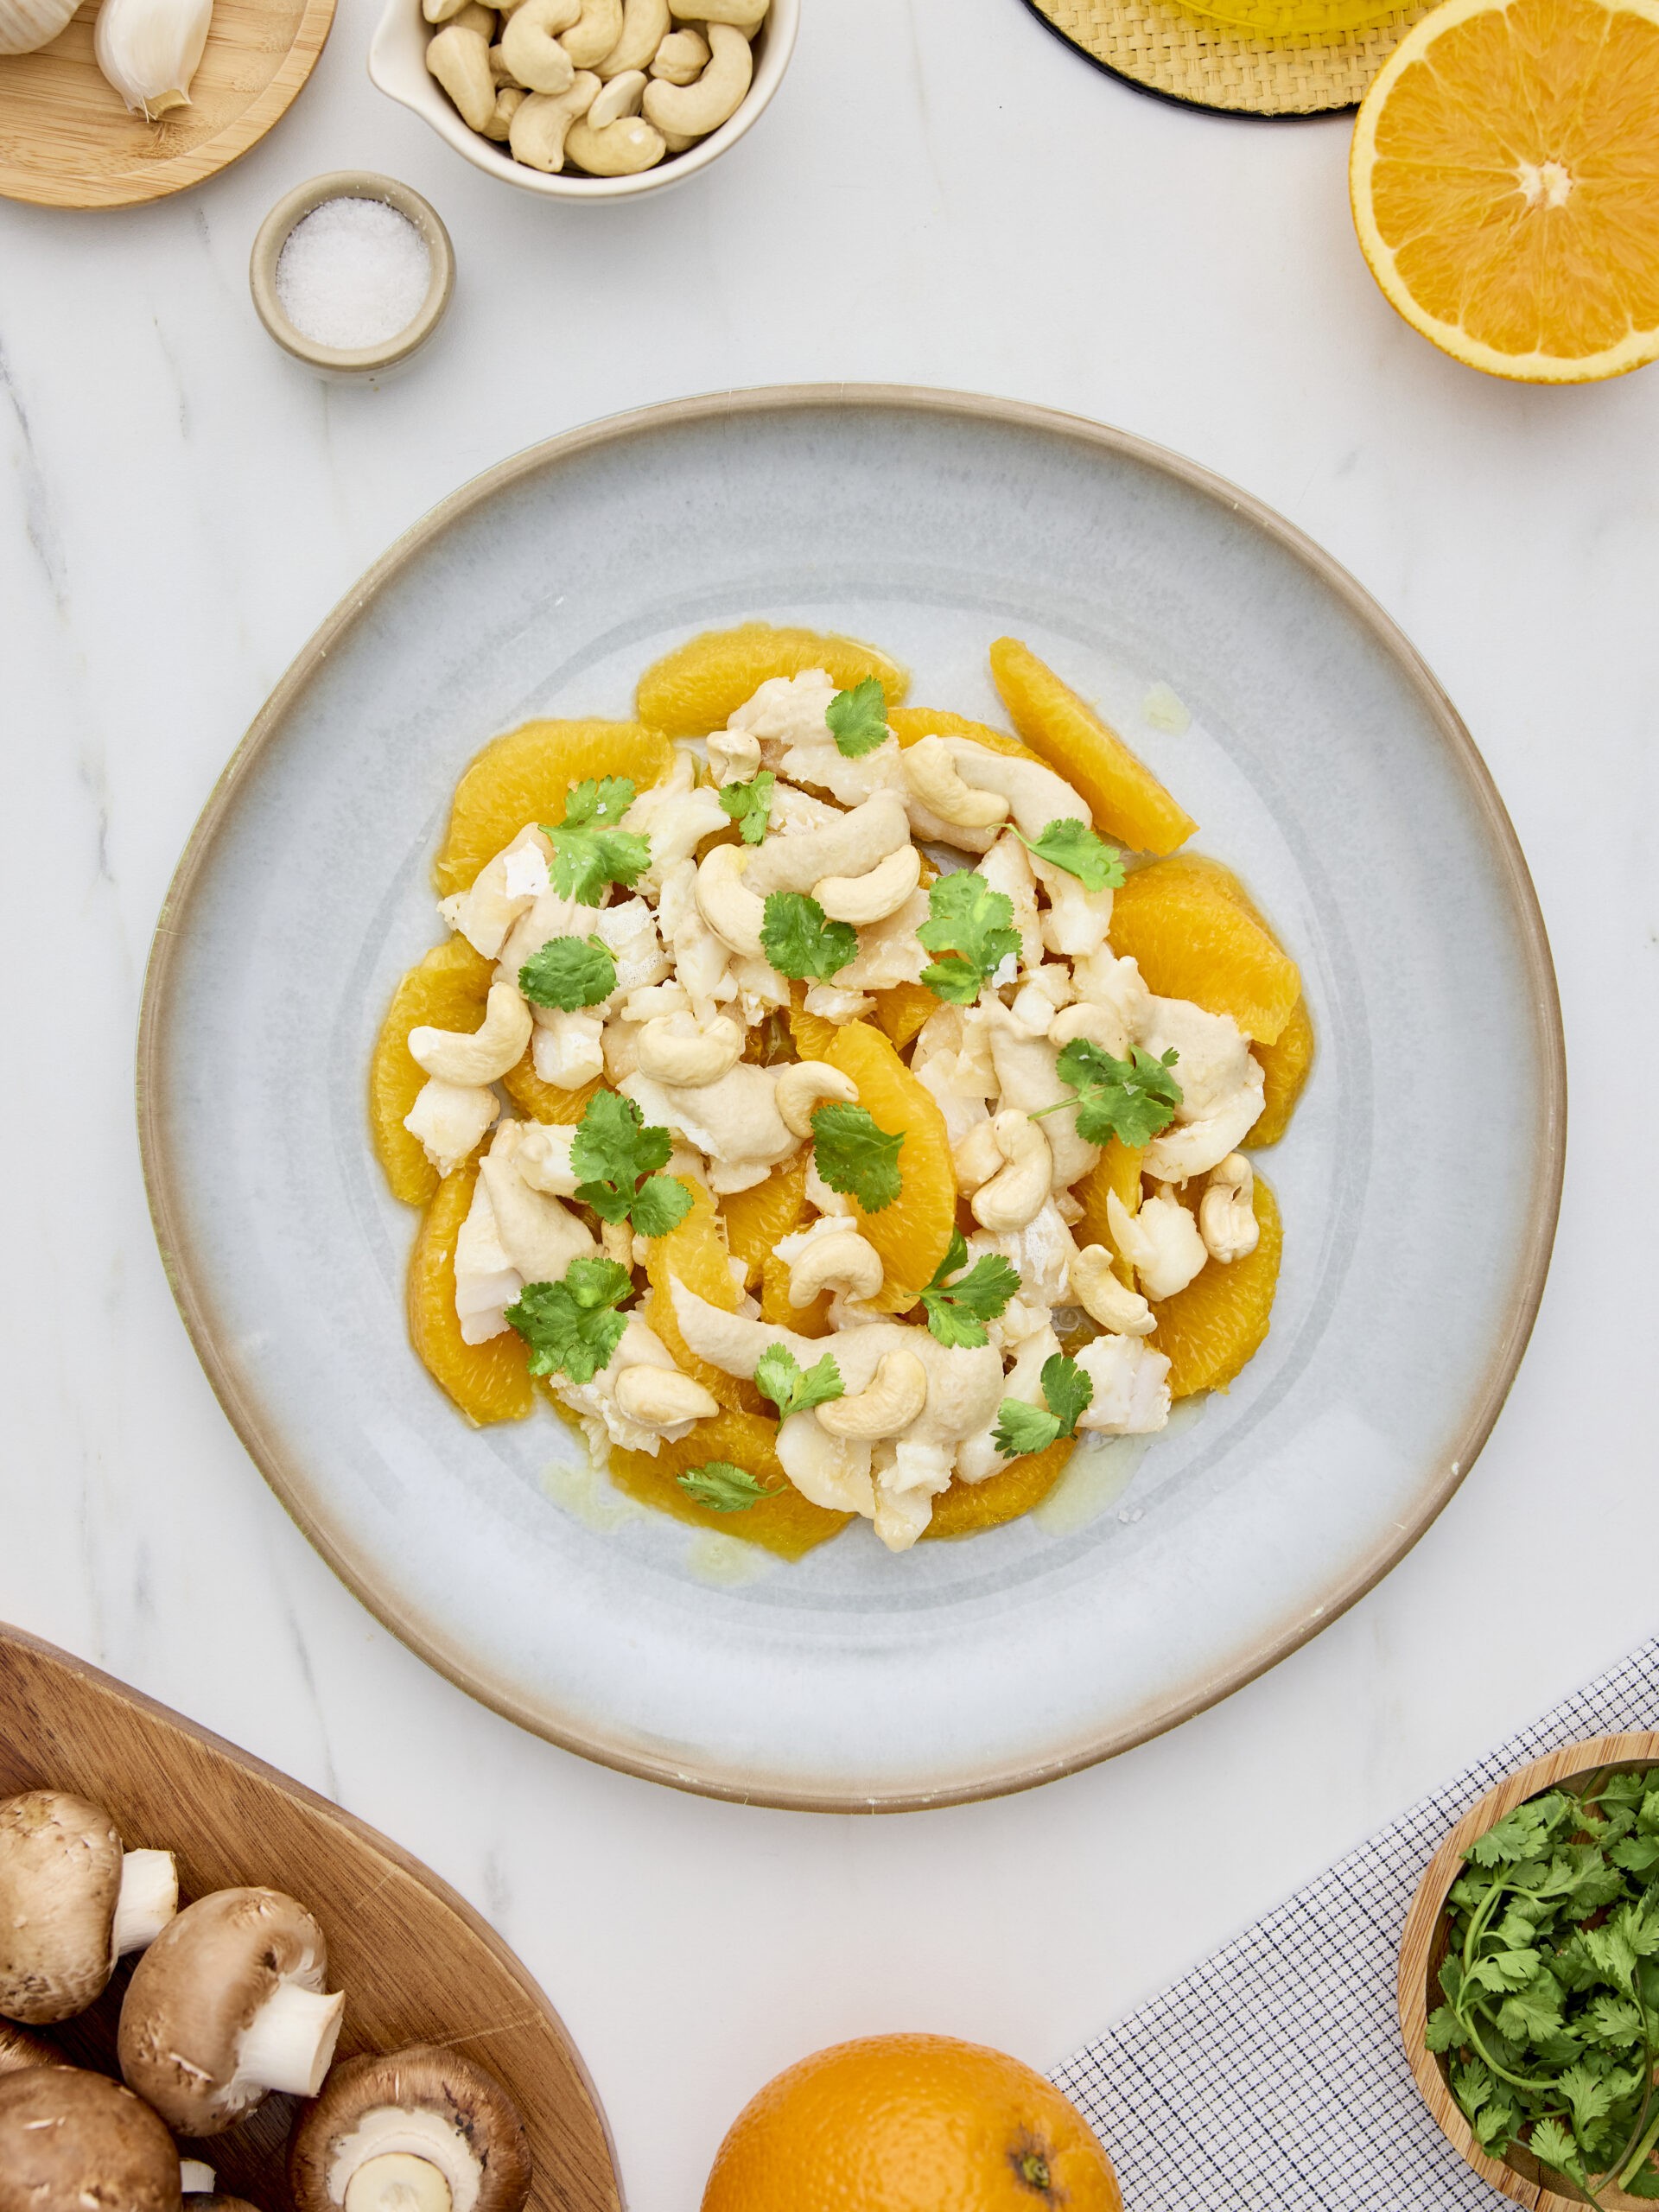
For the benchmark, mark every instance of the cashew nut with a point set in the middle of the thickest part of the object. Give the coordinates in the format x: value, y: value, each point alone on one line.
x: 1227, y: 1219
x: 893, y: 1398
x: 595, y: 31
x: 661, y: 1397
x: 644, y: 26
x: 978, y: 1156
x: 850, y: 844
x: 839, y: 1259
x: 1097, y: 1288
x: 681, y: 59
x: 748, y: 15
x: 621, y: 149
x: 508, y: 101
x: 730, y: 908
x: 695, y: 110
x: 530, y: 48
x: 804, y: 1086
x: 538, y: 132
x: 1100, y: 1025
x: 673, y: 1049
x: 871, y: 897
x: 931, y: 772
x: 459, y: 57
x: 1015, y: 1197
x: 485, y: 1055
x: 442, y: 11
x: 620, y: 98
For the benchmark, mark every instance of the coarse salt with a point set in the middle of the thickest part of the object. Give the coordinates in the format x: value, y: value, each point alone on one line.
x: 353, y: 273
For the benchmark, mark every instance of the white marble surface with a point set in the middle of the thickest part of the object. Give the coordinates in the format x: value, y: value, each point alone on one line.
x: 941, y: 194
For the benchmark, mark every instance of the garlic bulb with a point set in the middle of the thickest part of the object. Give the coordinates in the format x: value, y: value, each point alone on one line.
x: 150, y: 50
x: 26, y: 24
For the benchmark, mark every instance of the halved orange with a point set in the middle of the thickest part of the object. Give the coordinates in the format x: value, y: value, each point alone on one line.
x: 489, y: 1381
x: 700, y: 684
x: 912, y: 1235
x: 967, y: 1508
x: 447, y: 990
x: 786, y: 1523
x: 526, y: 776
x: 1504, y: 180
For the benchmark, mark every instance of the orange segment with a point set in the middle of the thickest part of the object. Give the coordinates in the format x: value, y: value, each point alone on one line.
x: 448, y: 990
x: 1209, y: 1330
x: 813, y: 1035
x: 700, y: 684
x: 1286, y: 1067
x: 1194, y: 941
x: 1127, y: 800
x: 786, y: 1524
x: 757, y: 1217
x: 967, y: 1508
x: 695, y: 1254
x: 526, y: 777
x: 910, y: 725
x: 811, y: 1320
x: 489, y: 1381
x: 545, y: 1102
x: 1504, y: 180
x: 903, y: 1009
x: 913, y: 1234
x: 1115, y: 1174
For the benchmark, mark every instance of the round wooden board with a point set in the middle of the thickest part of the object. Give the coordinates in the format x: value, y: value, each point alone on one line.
x: 67, y: 141
x: 417, y: 1963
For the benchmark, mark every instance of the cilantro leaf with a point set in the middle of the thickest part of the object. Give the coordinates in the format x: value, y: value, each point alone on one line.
x: 1133, y: 1099
x: 572, y: 1327
x: 1022, y: 1429
x: 723, y: 1488
x: 1074, y: 847
x: 1552, y: 2146
x: 780, y: 1377
x: 750, y: 804
x: 957, y: 1313
x: 616, y: 1157
x: 589, y: 852
x: 1445, y: 2031
x: 858, y: 718
x: 800, y: 940
x: 856, y: 1156
x: 1066, y: 1393
x: 969, y: 925
x: 569, y: 972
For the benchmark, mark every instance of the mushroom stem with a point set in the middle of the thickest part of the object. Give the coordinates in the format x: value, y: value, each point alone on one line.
x: 149, y: 1899
x: 196, y: 2177
x: 289, y: 2044
x: 398, y: 2182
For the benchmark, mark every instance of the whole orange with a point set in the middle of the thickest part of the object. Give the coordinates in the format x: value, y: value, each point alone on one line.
x: 910, y: 2123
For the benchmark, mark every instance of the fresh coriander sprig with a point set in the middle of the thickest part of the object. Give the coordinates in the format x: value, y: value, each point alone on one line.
x: 1066, y: 1394
x: 957, y: 1312
x: 858, y: 718
x: 569, y: 972
x: 856, y: 1156
x: 778, y: 1375
x: 723, y: 1488
x: 615, y: 1157
x: 750, y: 804
x: 572, y: 1327
x: 800, y: 940
x: 969, y: 927
x: 1073, y: 846
x: 590, y: 852
x: 1133, y: 1099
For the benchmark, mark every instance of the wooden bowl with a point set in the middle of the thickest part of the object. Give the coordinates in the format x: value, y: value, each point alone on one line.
x: 1422, y: 1946
x: 417, y: 1964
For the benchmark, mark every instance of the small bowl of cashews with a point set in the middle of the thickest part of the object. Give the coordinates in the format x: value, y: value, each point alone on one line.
x: 586, y: 100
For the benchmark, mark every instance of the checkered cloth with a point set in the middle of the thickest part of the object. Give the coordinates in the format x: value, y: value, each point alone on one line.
x: 1271, y: 2078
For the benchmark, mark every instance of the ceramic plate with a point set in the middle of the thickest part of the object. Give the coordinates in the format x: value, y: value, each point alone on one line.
x: 1322, y: 761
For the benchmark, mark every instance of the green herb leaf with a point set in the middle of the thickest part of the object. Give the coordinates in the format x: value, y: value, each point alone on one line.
x: 857, y: 1157
x: 1066, y: 1392
x: 750, y: 804
x: 1445, y: 2030
x: 969, y: 926
x: 723, y: 1488
x: 661, y: 1203
x: 778, y: 1375
x: 571, y: 1326
x: 1074, y: 847
x: 1552, y: 2146
x: 800, y: 940
x: 858, y: 718
x: 569, y: 972
x: 1022, y: 1429
x: 612, y: 1152
x: 589, y: 852
x: 1133, y: 1099
x: 957, y: 1312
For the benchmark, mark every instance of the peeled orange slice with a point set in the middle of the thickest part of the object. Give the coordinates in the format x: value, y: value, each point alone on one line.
x: 902, y: 1009
x: 700, y: 684
x: 545, y: 1102
x: 489, y: 1381
x: 910, y: 725
x: 776, y: 1311
x: 1127, y: 800
x: 1116, y: 1173
x: 1210, y: 1331
x: 912, y: 1235
x: 1504, y: 179
x: 967, y: 1508
x: 756, y: 1218
x: 1195, y: 940
x: 813, y: 1035
x: 448, y: 990
x: 695, y: 1253
x: 786, y: 1523
x: 1286, y: 1067
x: 525, y: 776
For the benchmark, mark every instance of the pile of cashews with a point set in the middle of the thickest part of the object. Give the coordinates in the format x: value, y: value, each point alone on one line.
x: 608, y: 87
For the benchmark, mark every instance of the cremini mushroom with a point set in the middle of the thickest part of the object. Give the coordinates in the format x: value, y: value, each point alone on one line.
x: 805, y: 1085
x: 226, y: 2005
x: 677, y: 1049
x: 451, y: 1120
x: 485, y: 1055
x: 72, y: 1903
x: 873, y: 896
x: 646, y: 24
x: 1161, y: 1242
x: 530, y: 48
x: 681, y: 59
x: 201, y: 2191
x: 19, y: 2050
x: 729, y: 904
x: 692, y: 110
x: 78, y: 2142
x: 459, y: 57
x: 422, y: 2130
x: 1227, y: 1219
x: 830, y: 1255
x: 892, y: 1399
x: 931, y: 772
x: 1015, y: 1196
x: 538, y: 132
x: 1097, y: 1287
x: 621, y: 149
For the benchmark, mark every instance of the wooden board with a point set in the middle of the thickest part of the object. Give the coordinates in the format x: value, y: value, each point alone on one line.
x: 1422, y: 1946
x: 417, y: 1964
x: 67, y: 141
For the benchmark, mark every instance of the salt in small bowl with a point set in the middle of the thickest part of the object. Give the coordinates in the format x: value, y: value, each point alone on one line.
x: 346, y: 362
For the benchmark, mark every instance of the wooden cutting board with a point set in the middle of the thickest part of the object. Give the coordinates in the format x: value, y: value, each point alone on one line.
x: 417, y: 1964
x: 67, y: 141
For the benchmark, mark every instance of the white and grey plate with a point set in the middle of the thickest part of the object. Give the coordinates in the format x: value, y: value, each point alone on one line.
x: 1323, y: 762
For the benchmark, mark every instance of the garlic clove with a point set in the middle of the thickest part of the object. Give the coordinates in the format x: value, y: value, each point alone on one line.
x: 28, y: 25
x: 150, y: 50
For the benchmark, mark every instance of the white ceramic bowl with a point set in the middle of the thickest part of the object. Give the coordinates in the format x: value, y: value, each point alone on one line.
x: 398, y: 66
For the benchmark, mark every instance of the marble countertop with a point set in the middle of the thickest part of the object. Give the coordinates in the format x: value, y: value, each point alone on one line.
x: 941, y: 194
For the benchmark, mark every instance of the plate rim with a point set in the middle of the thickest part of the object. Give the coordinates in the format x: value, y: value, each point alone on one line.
x: 1488, y: 1392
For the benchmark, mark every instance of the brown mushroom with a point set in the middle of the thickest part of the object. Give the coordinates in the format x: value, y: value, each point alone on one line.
x: 423, y: 2130
x: 69, y: 2140
x: 226, y: 2005
x: 72, y: 1902
x: 201, y: 2186
x: 18, y: 2049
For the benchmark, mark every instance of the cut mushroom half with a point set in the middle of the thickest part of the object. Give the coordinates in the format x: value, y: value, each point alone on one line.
x: 72, y: 1903
x: 227, y: 2004
x: 423, y: 2130
x: 70, y: 2141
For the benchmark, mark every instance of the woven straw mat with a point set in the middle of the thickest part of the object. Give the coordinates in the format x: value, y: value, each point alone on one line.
x: 1160, y: 47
